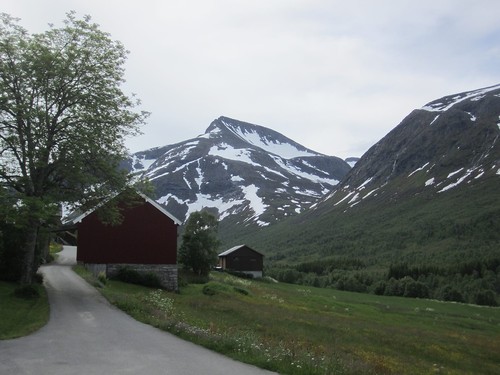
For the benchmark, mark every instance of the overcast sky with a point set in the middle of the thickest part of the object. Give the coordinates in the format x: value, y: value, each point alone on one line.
x: 335, y: 76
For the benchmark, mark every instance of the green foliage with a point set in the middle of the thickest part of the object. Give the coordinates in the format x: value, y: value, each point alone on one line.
x: 212, y: 288
x: 439, y: 240
x: 64, y: 119
x: 198, y: 251
x: 11, y: 256
x: 476, y: 281
x: 102, y: 278
x: 128, y: 275
x: 189, y: 277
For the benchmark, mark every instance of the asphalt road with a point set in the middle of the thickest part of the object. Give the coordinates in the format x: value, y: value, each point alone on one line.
x: 87, y: 335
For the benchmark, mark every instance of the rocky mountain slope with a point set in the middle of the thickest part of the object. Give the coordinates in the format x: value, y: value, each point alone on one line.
x: 450, y: 142
x: 245, y: 173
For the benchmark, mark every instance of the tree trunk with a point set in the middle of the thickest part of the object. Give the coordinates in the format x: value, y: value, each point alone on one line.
x: 29, y: 267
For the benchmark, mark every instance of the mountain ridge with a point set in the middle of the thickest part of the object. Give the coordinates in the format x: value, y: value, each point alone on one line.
x: 445, y: 143
x: 236, y: 169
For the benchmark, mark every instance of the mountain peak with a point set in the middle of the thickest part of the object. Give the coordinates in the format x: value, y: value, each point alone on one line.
x: 259, y: 136
x: 244, y: 172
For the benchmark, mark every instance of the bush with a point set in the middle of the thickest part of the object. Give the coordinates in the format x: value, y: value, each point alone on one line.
x: 213, y: 288
x: 350, y: 284
x: 379, y: 288
x: 485, y: 298
x: 209, y: 291
x: 102, y: 278
x: 241, y: 290
x: 415, y: 289
x: 449, y: 293
x: 151, y: 279
x: 131, y: 276
x: 188, y: 277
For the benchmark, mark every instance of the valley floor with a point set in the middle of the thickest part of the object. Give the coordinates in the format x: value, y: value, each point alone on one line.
x: 304, y: 330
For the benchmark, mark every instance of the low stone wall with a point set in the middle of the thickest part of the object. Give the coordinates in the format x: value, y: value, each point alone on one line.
x: 167, y: 273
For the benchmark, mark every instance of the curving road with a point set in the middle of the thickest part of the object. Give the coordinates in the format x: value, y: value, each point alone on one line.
x: 87, y: 335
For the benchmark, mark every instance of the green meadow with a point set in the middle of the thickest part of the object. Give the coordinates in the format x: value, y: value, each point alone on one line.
x: 294, y: 329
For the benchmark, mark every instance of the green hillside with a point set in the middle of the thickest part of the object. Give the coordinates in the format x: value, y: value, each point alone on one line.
x: 453, y: 238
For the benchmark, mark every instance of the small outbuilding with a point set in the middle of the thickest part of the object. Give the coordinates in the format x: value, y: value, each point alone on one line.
x: 242, y: 259
x: 145, y: 240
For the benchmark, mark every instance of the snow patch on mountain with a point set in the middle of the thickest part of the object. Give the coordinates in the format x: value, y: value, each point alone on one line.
x: 302, y: 174
x: 285, y: 150
x: 226, y: 151
x: 256, y: 203
x: 141, y: 163
x: 447, y: 102
x: 418, y: 169
x: 459, y: 181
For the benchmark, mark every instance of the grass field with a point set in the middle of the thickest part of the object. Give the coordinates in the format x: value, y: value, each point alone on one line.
x: 21, y: 316
x: 304, y: 330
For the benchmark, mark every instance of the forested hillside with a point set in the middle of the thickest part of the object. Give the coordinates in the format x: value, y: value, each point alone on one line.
x: 418, y: 215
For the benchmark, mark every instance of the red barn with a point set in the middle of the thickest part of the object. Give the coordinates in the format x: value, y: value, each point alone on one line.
x: 145, y: 240
x: 242, y: 259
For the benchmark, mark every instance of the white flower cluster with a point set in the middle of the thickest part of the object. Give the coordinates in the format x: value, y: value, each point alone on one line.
x: 161, y: 302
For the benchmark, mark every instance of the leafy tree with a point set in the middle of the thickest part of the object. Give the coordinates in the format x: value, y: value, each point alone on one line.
x: 63, y: 121
x: 199, y: 243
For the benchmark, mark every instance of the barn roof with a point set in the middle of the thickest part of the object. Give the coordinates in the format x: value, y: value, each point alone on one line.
x: 233, y: 249
x: 80, y: 217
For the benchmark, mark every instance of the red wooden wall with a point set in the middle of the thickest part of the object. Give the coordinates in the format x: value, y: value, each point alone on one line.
x: 145, y: 236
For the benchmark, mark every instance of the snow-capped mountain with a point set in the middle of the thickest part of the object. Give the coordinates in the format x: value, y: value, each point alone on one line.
x: 242, y: 171
x: 448, y: 143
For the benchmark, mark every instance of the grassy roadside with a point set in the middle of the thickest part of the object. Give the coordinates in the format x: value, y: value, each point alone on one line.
x: 20, y: 316
x: 296, y: 330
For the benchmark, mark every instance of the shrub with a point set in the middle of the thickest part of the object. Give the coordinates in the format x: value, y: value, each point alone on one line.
x: 449, y: 293
x: 241, y: 290
x: 128, y: 275
x: 188, y: 277
x: 485, y: 298
x: 213, y: 288
x: 379, y: 288
x: 151, y: 279
x: 415, y: 289
x: 208, y: 290
x: 131, y: 276
x: 102, y: 277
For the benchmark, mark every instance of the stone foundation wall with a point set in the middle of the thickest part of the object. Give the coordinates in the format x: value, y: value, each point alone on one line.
x: 167, y: 273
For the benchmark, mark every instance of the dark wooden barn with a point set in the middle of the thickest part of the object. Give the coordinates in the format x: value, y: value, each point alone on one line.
x: 145, y: 240
x: 242, y: 259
